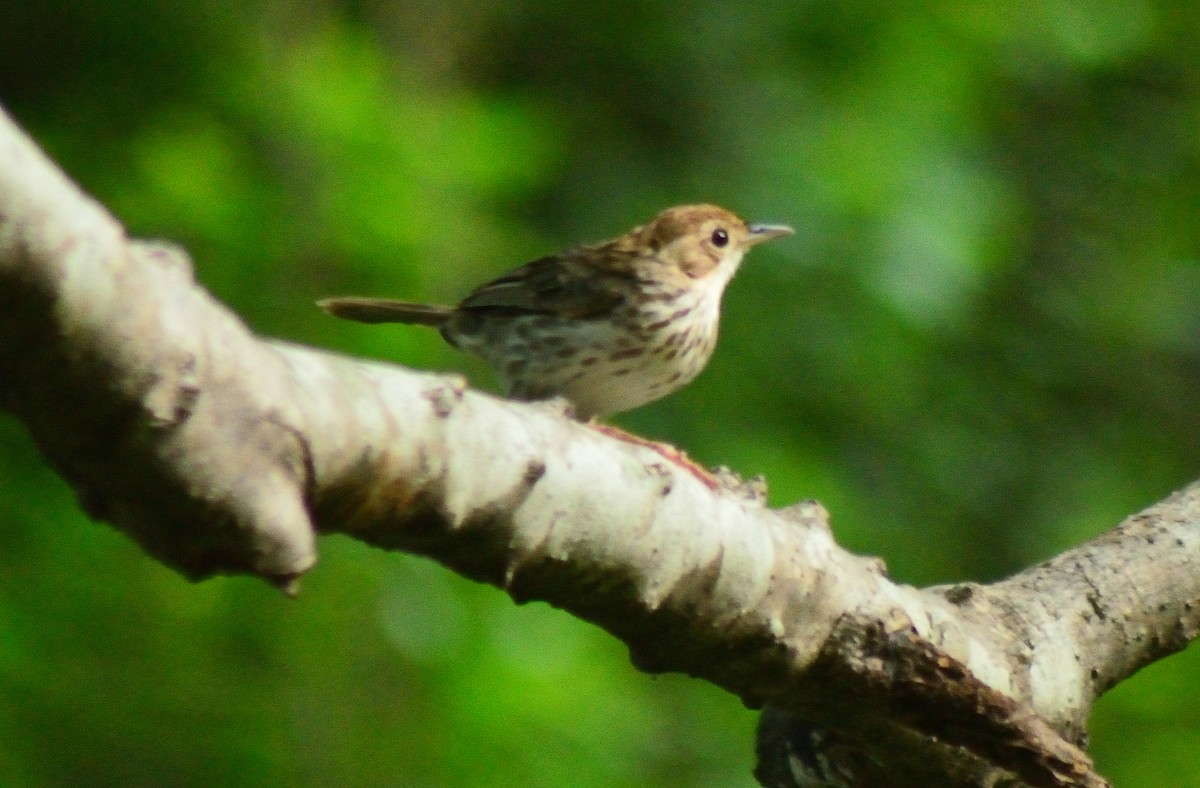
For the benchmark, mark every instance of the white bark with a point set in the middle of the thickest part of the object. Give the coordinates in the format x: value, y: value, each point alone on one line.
x: 223, y: 452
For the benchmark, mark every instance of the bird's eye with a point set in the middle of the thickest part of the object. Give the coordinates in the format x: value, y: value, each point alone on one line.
x: 720, y: 237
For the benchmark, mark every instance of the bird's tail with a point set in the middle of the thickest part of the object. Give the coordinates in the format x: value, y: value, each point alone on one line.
x: 385, y: 310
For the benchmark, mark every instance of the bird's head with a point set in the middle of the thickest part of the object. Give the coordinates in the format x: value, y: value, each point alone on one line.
x: 704, y: 239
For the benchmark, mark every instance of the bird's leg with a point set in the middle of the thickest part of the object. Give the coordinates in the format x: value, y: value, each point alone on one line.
x: 668, y: 452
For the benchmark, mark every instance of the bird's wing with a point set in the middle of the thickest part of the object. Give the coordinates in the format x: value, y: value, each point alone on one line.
x: 560, y: 285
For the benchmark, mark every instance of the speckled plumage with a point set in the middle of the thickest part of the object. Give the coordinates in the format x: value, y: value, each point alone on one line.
x: 608, y: 326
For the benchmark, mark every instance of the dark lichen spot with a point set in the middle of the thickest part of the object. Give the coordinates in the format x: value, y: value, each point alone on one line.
x: 534, y: 471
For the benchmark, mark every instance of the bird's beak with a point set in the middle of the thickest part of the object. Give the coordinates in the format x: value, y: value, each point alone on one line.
x: 765, y: 232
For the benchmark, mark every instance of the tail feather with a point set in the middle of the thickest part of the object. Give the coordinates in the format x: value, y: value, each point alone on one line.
x: 385, y: 310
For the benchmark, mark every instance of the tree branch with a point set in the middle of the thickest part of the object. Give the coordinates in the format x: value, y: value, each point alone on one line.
x: 222, y: 452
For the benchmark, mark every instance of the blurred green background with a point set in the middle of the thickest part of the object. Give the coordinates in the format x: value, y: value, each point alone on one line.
x: 981, y: 347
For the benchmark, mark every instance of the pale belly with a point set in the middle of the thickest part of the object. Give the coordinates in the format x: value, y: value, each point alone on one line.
x: 599, y: 371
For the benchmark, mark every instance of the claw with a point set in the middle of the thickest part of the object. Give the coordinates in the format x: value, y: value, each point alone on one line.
x: 668, y: 452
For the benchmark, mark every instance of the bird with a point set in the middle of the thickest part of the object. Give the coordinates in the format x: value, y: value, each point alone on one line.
x: 606, y: 326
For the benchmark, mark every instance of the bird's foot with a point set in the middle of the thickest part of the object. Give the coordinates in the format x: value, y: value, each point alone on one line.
x: 667, y: 451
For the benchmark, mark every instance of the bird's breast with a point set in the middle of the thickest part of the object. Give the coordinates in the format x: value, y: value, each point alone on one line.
x: 648, y: 347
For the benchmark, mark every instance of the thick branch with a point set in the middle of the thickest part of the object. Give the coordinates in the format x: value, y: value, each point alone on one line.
x: 220, y: 452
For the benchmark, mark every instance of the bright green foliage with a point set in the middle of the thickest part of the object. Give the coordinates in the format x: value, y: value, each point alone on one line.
x: 981, y: 347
